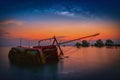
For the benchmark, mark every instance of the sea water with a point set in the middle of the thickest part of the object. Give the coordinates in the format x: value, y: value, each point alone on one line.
x: 88, y: 63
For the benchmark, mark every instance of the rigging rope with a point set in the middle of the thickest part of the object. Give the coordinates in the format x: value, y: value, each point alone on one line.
x: 69, y: 49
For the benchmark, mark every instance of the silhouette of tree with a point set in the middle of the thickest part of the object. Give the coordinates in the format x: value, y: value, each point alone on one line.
x: 77, y: 44
x: 85, y: 43
x: 109, y: 42
x: 99, y: 43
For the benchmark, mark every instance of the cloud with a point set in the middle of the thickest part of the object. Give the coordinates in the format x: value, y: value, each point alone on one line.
x: 66, y: 13
x: 4, y: 34
x: 10, y: 23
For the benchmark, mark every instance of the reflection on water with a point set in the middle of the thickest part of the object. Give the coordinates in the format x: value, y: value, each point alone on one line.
x: 44, y: 72
x: 81, y: 64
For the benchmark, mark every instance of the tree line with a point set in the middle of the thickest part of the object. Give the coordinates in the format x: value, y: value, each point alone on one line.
x: 98, y: 43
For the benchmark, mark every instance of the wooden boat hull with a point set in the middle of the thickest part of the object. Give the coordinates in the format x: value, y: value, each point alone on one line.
x: 34, y: 56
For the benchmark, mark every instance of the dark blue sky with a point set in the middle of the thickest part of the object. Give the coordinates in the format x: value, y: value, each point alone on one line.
x: 14, y: 13
x: 39, y: 9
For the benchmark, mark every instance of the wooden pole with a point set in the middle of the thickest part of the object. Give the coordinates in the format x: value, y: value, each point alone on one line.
x: 61, y: 52
x: 39, y: 43
x: 79, y: 38
x: 53, y: 42
x: 20, y: 42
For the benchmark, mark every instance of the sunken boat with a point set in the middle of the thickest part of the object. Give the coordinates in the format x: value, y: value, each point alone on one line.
x: 36, y: 55
x: 39, y: 54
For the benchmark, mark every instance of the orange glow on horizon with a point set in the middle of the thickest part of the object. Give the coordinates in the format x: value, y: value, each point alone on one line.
x: 71, y: 30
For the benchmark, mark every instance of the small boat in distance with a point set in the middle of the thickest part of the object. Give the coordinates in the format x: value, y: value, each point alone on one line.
x: 39, y: 54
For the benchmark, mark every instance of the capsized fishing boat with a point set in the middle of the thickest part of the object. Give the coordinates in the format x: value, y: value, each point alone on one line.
x: 36, y: 55
x: 39, y: 54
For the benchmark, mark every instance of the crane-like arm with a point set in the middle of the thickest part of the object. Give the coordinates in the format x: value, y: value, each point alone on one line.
x: 80, y: 38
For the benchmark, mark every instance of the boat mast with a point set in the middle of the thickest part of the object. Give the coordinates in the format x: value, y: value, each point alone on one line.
x: 20, y: 42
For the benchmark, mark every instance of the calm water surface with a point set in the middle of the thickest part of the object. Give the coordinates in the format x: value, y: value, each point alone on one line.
x: 82, y: 64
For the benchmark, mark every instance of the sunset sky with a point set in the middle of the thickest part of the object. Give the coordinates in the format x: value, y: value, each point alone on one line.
x: 39, y: 19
